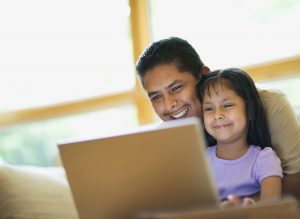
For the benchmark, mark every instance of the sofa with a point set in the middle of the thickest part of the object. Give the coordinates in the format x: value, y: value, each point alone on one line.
x: 31, y: 192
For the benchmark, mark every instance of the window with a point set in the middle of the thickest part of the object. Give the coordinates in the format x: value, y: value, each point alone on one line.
x: 63, y: 50
x: 56, y: 53
x: 290, y: 86
x: 231, y: 32
x: 236, y: 33
x: 36, y: 143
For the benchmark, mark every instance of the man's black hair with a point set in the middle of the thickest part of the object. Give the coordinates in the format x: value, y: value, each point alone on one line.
x: 167, y: 51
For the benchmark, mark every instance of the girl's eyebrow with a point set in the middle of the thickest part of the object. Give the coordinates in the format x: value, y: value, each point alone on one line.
x: 227, y: 98
x: 224, y: 99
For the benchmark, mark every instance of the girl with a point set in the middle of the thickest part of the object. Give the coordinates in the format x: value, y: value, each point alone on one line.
x: 243, y: 162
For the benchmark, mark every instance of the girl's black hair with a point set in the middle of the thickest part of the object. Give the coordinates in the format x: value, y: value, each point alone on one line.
x: 240, y: 82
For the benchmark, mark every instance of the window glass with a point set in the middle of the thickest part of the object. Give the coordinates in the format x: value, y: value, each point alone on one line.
x: 36, y: 143
x: 63, y: 50
x: 290, y: 86
x: 234, y: 33
x: 231, y: 32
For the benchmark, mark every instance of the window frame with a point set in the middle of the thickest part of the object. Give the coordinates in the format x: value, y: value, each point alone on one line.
x: 141, y: 37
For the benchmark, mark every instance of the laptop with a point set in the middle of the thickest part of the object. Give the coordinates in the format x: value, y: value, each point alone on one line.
x: 151, y: 169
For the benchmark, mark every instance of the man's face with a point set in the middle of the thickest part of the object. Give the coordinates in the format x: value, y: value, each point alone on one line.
x: 172, y: 93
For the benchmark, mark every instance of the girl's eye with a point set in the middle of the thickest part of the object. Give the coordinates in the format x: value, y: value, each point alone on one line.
x: 228, y: 105
x: 208, y: 109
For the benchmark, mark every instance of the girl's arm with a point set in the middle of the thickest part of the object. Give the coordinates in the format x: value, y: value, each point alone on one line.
x: 271, y: 187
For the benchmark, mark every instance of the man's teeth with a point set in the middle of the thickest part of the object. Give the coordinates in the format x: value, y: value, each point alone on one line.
x: 180, y: 114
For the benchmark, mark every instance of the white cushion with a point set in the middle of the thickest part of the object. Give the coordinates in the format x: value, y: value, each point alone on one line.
x: 28, y: 192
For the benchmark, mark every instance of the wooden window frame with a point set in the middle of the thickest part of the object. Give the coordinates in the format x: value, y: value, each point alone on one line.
x: 140, y: 30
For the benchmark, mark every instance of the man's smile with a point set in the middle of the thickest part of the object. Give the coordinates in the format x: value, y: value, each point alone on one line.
x: 180, y: 113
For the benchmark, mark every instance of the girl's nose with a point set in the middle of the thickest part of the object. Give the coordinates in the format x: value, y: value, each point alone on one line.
x: 219, y: 115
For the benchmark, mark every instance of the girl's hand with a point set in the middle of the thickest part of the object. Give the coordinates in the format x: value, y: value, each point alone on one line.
x: 236, y: 201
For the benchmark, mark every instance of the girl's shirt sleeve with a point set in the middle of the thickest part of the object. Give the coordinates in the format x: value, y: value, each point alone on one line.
x: 267, y: 164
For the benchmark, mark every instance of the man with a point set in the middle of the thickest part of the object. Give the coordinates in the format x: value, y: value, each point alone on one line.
x: 169, y: 71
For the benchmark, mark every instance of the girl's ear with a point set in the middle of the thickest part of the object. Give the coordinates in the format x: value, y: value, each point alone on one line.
x: 204, y: 70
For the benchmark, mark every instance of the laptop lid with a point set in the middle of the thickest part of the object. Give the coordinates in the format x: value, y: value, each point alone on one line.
x: 155, y: 168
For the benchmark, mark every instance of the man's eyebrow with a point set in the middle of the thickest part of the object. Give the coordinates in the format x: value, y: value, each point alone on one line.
x: 173, y: 83
x: 150, y: 94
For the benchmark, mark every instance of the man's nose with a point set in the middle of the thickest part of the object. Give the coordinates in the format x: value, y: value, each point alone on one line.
x: 170, y: 102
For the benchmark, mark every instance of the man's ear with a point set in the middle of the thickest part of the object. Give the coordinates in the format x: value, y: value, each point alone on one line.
x: 204, y: 70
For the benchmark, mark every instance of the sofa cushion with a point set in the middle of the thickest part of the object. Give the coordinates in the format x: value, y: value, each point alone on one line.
x: 30, y: 192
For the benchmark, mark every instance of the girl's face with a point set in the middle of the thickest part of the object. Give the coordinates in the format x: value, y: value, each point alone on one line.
x: 225, y: 116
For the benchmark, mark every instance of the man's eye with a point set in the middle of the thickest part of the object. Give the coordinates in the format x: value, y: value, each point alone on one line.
x: 155, y: 98
x: 176, y: 88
